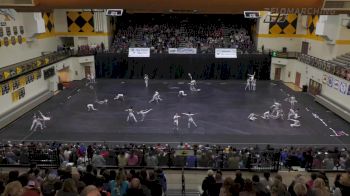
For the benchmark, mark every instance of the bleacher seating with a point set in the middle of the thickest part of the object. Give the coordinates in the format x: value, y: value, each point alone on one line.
x: 204, y: 32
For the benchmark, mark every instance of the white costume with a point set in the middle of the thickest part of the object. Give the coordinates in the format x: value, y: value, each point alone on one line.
x: 190, y: 119
x: 292, y: 114
x: 36, y: 123
x: 130, y: 115
x: 44, y: 118
x: 176, y: 121
x: 193, y: 85
x: 254, y: 85
x: 292, y: 101
x: 156, y: 97
x: 250, y: 81
x: 252, y: 117
x: 266, y: 115
x: 93, y: 81
x: 119, y: 96
x: 295, y: 124
x: 143, y: 113
x: 182, y: 94
x: 102, y: 102
x: 90, y: 107
x: 189, y: 75
x: 146, y: 80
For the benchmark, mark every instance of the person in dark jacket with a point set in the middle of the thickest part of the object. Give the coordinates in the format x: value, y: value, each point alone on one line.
x: 344, y: 183
x: 208, y: 184
x: 154, y: 185
x: 239, y: 180
x: 135, y: 188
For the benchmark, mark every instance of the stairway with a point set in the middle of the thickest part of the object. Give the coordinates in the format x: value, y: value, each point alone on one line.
x: 342, y: 60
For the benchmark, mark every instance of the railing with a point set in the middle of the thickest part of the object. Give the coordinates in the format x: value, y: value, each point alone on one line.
x: 338, y: 70
x: 21, y: 68
x: 216, y: 158
x: 46, y: 158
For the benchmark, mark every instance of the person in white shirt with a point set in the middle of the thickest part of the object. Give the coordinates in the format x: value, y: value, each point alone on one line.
x: 143, y: 114
x: 130, y: 115
x: 190, y: 119
x: 182, y: 94
x: 146, y: 80
x: 176, y: 121
x: 90, y: 107
x: 156, y: 97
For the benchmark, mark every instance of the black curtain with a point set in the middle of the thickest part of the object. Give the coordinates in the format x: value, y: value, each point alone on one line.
x: 171, y: 66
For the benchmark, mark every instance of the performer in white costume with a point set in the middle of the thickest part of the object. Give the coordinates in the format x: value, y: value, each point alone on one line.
x: 293, y: 113
x: 44, y: 118
x: 156, y: 97
x: 189, y: 75
x: 143, y: 113
x: 193, y: 86
x: 254, y: 85
x: 93, y: 81
x: 90, y: 107
x: 292, y: 101
x: 250, y: 80
x: 266, y: 115
x: 130, y: 115
x: 119, y: 97
x: 105, y: 101
x: 295, y: 124
x: 190, y: 119
x: 36, y: 123
x: 146, y: 80
x: 182, y: 94
x: 252, y: 117
x: 176, y: 121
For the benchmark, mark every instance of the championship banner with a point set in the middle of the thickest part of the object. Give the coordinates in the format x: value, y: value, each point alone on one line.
x: 228, y: 53
x: 335, y: 84
x: 139, y: 52
x: 343, y: 87
x: 330, y: 81
x: 182, y: 50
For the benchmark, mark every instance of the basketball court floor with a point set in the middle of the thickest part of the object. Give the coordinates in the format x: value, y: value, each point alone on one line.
x: 222, y: 107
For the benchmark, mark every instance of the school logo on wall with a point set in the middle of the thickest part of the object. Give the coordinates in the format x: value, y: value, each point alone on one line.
x: 335, y: 84
x: 330, y: 81
x: 343, y: 87
x: 21, y: 29
x: 6, y: 41
x: 20, y: 40
x: 13, y: 40
x: 8, y: 31
x: 15, y: 30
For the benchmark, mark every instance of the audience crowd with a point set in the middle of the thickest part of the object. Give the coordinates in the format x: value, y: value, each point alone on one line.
x: 161, y: 32
x: 69, y: 181
x: 317, y: 185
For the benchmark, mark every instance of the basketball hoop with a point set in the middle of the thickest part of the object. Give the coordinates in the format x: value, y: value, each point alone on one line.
x: 275, y: 18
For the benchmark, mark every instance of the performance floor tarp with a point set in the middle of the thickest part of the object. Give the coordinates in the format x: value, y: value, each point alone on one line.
x: 222, y: 107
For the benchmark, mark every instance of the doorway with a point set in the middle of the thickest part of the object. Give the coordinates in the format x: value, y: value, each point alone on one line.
x: 87, y: 71
x: 297, y: 79
x: 305, y: 48
x: 277, y: 73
